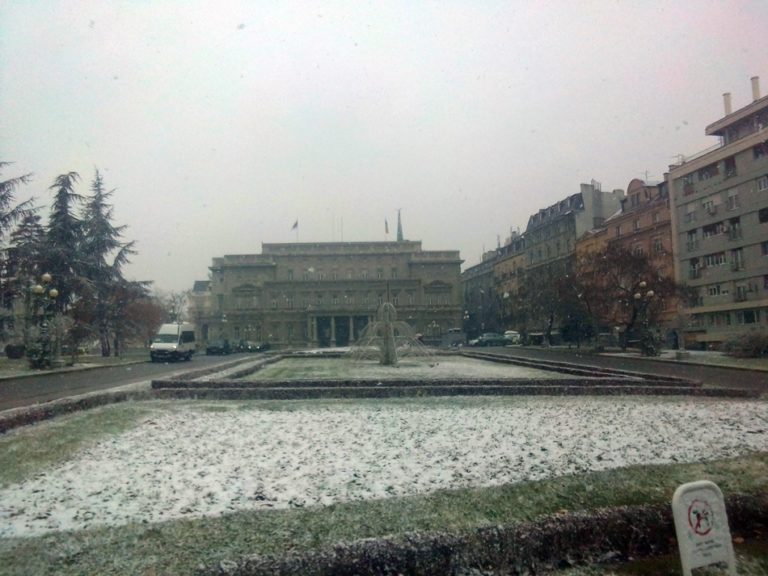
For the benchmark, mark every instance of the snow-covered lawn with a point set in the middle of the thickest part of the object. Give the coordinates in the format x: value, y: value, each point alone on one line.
x: 193, y: 459
x: 421, y: 369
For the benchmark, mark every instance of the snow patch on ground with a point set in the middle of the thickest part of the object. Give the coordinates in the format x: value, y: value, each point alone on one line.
x: 192, y: 460
x: 417, y: 369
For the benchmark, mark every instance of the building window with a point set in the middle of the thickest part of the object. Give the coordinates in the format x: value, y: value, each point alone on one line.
x: 634, y: 200
x: 393, y: 273
x: 335, y: 299
x: 733, y: 200
x: 764, y: 248
x: 290, y: 274
x: 760, y: 151
x: 737, y: 259
x: 747, y: 316
x: 712, y: 230
x: 713, y: 290
x: 379, y: 273
x: 274, y: 303
x: 617, y: 231
x: 364, y: 274
x: 709, y: 206
x: 636, y: 225
x: 762, y: 215
x: 730, y: 167
x: 658, y: 245
x: 655, y: 218
x: 690, y: 213
x: 762, y: 183
x: 765, y: 282
x: 716, y: 259
x: 637, y: 249
x: 708, y: 172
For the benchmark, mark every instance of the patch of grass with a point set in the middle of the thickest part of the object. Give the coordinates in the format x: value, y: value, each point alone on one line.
x: 174, y: 547
x: 27, y: 451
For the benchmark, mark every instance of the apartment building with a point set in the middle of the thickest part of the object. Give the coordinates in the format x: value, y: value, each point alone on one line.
x: 720, y: 225
x: 550, y: 242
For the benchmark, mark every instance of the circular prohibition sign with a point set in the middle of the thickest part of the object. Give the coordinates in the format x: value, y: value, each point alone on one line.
x: 700, y: 517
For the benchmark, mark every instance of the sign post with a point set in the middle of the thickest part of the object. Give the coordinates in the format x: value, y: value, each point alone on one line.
x: 701, y: 525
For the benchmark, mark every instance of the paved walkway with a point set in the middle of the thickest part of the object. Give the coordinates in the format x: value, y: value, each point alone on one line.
x: 704, y: 358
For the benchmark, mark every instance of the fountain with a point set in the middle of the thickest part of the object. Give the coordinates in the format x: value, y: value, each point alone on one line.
x: 388, y: 339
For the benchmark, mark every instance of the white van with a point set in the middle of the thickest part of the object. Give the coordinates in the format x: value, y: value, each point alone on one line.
x: 173, y: 342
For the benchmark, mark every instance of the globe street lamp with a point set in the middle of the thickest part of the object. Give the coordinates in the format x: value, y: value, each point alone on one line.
x: 643, y: 299
x: 42, y: 349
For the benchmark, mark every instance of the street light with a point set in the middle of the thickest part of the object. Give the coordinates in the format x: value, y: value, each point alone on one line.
x: 643, y: 299
x: 42, y: 350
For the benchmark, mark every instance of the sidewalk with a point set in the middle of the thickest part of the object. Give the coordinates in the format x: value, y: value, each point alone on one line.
x: 14, y: 369
x: 706, y: 358
x: 698, y: 357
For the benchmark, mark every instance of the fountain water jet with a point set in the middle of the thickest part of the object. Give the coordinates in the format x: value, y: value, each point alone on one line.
x: 388, y: 339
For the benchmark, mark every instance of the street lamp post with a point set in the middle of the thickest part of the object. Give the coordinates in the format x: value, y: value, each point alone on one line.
x: 643, y: 299
x: 43, y: 350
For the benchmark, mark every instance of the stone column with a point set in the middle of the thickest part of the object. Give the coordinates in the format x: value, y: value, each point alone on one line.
x: 352, y: 329
x: 333, y: 330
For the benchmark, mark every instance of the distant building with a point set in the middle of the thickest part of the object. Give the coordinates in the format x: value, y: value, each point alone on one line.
x: 481, y: 303
x: 325, y: 293
x: 643, y: 225
x: 514, y: 287
x: 720, y: 225
x: 550, y: 245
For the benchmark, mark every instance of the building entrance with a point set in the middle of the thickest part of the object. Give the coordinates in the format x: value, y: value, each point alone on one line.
x: 324, y: 331
x: 342, y: 330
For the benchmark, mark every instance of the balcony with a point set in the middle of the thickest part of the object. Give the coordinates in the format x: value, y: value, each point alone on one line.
x: 712, y: 210
x: 740, y: 297
x: 694, y: 273
x: 692, y: 245
x: 737, y: 265
x: 734, y: 233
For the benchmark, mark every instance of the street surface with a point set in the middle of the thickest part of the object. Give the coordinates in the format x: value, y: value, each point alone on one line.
x: 17, y: 392
x: 27, y: 391
x: 714, y: 376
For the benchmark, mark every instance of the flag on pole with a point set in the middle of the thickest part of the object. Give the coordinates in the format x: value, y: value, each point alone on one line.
x: 386, y: 226
x: 295, y: 224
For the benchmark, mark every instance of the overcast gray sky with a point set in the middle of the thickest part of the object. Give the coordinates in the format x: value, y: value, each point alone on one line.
x: 222, y: 123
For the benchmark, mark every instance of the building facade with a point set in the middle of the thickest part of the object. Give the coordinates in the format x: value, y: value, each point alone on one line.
x: 720, y: 226
x: 481, y: 303
x: 324, y: 294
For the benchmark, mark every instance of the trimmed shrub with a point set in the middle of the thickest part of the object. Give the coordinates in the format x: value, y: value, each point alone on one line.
x: 750, y: 345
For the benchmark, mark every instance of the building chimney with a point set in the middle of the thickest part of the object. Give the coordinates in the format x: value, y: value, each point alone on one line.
x: 755, y: 88
x: 727, y: 103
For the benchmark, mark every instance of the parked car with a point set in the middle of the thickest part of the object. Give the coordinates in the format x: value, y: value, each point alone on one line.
x: 218, y: 347
x: 491, y: 339
x: 247, y: 346
x: 262, y: 347
x: 512, y: 336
